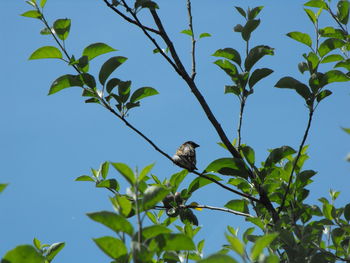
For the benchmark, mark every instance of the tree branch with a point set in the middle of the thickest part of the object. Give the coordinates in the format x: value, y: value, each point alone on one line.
x: 193, y: 52
x: 241, y: 110
x: 311, y: 112
x: 129, y: 19
x: 219, y: 209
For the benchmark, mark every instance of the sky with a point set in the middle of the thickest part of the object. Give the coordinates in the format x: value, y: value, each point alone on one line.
x: 48, y: 141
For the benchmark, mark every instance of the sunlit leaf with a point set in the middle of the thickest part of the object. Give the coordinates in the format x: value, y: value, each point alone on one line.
x: 53, y: 250
x: 228, y: 53
x: 62, y: 28
x: 97, y: 49
x: 228, y: 166
x: 65, y: 81
x: 113, y: 221
x: 153, y: 195
x: 218, y: 258
x: 46, y: 52
x: 23, y: 254
x: 301, y: 37
x: 32, y: 14
x: 260, y: 244
x: 143, y: 93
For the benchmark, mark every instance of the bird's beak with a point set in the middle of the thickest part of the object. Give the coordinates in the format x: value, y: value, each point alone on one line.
x: 196, y: 145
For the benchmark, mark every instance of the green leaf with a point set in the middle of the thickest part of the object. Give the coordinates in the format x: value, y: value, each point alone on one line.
x: 260, y: 244
x: 317, y: 3
x: 312, y: 60
x: 344, y: 64
x: 248, y: 154
x: 204, y: 35
x: 187, y: 32
x: 143, y: 93
x: 229, y: 53
x: 145, y: 171
x: 328, y: 45
x: 249, y: 27
x: 258, y: 75
x: 112, y: 247
x: 176, y: 179
x: 42, y: 3
x: 65, y: 81
x: 85, y: 178
x: 125, y: 171
x: 247, y: 233
x: 323, y: 94
x: 109, y: 66
x: 301, y: 37
x: 169, y: 241
x: 154, y: 230
x: 32, y: 3
x: 334, y: 76
x: 153, y: 195
x: 327, y: 210
x: 254, y: 12
x: 332, y: 58
x: 218, y: 258
x: 228, y: 166
x: 347, y: 207
x: 109, y: 183
x: 113, y: 221
x: 97, y: 49
x: 122, y: 204
x: 332, y: 32
x: 278, y: 154
x: 237, y: 205
x: 228, y: 67
x: 199, y: 182
x: 104, y: 169
x: 343, y: 11
x: 37, y: 243
x: 46, y: 31
x: 236, y: 245
x: 311, y: 15
x: 62, y: 27
x: 347, y: 130
x: 233, y: 89
x: 32, y: 14
x: 2, y: 187
x: 241, y: 11
x: 89, y: 80
x: 255, y: 54
x: 23, y: 254
x: 291, y: 83
x: 53, y: 250
x: 46, y: 52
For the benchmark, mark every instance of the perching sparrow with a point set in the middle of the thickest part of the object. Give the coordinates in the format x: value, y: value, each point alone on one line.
x: 186, y: 156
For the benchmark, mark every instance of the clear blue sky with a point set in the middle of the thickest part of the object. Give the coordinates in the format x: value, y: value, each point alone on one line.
x: 48, y: 141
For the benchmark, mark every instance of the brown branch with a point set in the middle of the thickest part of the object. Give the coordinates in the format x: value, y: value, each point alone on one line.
x: 180, y: 69
x: 168, y: 156
x: 219, y: 209
x: 193, y: 52
x: 311, y: 112
x: 129, y: 19
x: 242, y: 100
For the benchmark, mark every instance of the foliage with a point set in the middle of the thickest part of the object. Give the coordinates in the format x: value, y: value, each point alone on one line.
x: 272, y: 195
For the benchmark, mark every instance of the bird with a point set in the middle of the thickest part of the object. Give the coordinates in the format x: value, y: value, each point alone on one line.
x: 185, y: 156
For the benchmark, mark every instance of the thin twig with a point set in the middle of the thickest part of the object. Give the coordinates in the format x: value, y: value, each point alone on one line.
x: 139, y: 222
x: 219, y: 209
x: 129, y: 19
x: 311, y: 112
x: 241, y: 110
x: 193, y: 52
